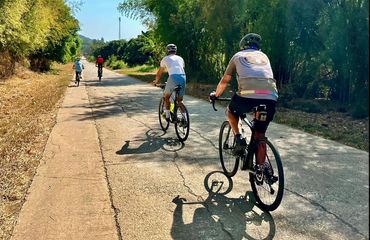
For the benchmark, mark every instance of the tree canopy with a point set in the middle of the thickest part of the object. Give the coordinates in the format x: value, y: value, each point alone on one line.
x: 318, y: 49
x: 41, y: 30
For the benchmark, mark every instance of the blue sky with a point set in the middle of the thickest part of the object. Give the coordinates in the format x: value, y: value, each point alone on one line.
x: 99, y: 18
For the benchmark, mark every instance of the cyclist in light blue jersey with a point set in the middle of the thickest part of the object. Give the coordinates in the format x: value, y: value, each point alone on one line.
x: 78, y: 66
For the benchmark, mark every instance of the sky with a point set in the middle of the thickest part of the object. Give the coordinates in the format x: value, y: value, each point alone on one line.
x: 99, y: 19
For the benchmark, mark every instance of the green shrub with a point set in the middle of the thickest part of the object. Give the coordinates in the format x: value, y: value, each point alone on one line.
x: 310, y: 106
x: 359, y: 111
x: 147, y: 68
x: 91, y: 59
x: 118, y: 64
x: 286, y: 94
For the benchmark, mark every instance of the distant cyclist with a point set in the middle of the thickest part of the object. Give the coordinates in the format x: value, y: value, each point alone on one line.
x: 174, y: 65
x: 99, y: 63
x: 256, y: 86
x: 78, y: 66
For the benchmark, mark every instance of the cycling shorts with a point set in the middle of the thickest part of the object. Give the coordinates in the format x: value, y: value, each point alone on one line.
x: 173, y: 81
x: 242, y: 105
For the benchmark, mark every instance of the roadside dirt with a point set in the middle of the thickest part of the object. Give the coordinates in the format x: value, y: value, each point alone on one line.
x: 28, y: 105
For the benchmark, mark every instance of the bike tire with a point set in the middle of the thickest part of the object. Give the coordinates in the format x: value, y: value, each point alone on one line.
x: 162, y: 122
x: 182, y: 132
x: 100, y: 74
x: 226, y: 144
x: 78, y: 77
x: 261, y: 192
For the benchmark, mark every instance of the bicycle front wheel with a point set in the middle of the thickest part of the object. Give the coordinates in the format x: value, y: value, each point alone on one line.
x: 182, y: 124
x: 268, y: 191
x: 162, y: 116
x: 226, y: 145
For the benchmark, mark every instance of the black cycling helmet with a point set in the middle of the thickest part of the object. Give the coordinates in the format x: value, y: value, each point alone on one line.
x: 251, y: 40
x: 171, y: 48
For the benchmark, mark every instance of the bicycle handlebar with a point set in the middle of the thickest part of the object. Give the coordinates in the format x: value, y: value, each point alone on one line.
x: 213, y: 101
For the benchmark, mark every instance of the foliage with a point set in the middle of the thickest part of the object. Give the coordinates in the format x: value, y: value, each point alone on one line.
x: 43, y: 30
x: 317, y: 49
x: 137, y: 51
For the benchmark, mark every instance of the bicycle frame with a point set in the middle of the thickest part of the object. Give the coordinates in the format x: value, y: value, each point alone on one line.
x: 264, y: 183
x: 182, y: 124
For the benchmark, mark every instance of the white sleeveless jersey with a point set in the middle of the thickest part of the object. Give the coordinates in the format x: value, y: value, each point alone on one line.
x: 174, y: 64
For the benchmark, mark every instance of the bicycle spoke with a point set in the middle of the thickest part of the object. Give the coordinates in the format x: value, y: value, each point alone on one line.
x: 268, y: 186
x: 229, y: 162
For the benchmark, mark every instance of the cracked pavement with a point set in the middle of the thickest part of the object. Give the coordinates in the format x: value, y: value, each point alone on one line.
x: 159, y: 188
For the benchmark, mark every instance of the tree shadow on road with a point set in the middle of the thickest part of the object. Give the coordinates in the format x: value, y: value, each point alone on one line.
x: 221, y: 217
x: 153, y: 142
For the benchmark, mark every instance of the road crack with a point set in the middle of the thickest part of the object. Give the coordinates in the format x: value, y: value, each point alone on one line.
x: 203, y: 137
x: 316, y: 204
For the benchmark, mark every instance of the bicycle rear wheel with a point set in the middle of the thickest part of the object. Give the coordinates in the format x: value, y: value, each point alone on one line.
x: 226, y: 145
x: 78, y: 78
x: 100, y: 73
x: 268, y: 194
x: 182, y: 125
x: 161, y: 115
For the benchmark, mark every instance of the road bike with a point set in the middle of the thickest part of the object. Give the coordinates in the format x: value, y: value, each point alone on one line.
x: 182, y: 125
x: 78, y: 78
x: 268, y: 184
x: 100, y: 72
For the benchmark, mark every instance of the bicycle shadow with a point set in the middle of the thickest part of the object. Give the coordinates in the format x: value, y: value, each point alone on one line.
x: 222, y: 217
x: 153, y: 142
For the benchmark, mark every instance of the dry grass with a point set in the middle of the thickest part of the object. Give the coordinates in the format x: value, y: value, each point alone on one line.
x: 332, y: 125
x: 28, y: 105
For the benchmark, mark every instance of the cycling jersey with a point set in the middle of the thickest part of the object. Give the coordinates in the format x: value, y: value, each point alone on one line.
x: 174, y: 64
x: 99, y: 60
x: 254, y: 74
x: 79, y: 66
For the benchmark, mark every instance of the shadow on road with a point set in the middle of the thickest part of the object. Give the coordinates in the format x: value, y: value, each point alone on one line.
x: 153, y: 142
x: 238, y: 218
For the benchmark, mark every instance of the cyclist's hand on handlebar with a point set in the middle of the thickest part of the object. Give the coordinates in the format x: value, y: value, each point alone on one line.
x: 212, y: 97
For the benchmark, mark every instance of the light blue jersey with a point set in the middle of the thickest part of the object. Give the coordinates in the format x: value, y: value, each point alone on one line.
x: 79, y: 66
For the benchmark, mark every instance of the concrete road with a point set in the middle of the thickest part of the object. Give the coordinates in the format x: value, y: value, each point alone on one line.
x: 156, y: 188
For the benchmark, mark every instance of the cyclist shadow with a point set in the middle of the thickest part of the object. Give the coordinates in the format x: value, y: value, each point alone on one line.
x: 153, y: 142
x: 221, y: 217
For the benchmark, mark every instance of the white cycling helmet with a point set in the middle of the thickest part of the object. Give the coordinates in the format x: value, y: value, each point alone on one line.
x: 171, y: 48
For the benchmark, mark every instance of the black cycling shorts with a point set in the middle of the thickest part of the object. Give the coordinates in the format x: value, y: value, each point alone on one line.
x: 241, y: 105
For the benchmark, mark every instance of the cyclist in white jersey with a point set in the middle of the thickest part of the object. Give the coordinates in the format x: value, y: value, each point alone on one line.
x: 174, y: 65
x: 256, y: 86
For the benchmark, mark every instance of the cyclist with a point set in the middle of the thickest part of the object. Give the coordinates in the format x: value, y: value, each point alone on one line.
x: 174, y: 65
x: 99, y: 63
x: 256, y: 86
x: 78, y: 66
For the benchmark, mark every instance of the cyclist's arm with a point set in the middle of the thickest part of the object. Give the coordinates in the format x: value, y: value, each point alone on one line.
x: 158, y: 75
x: 223, y: 84
x: 231, y: 67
